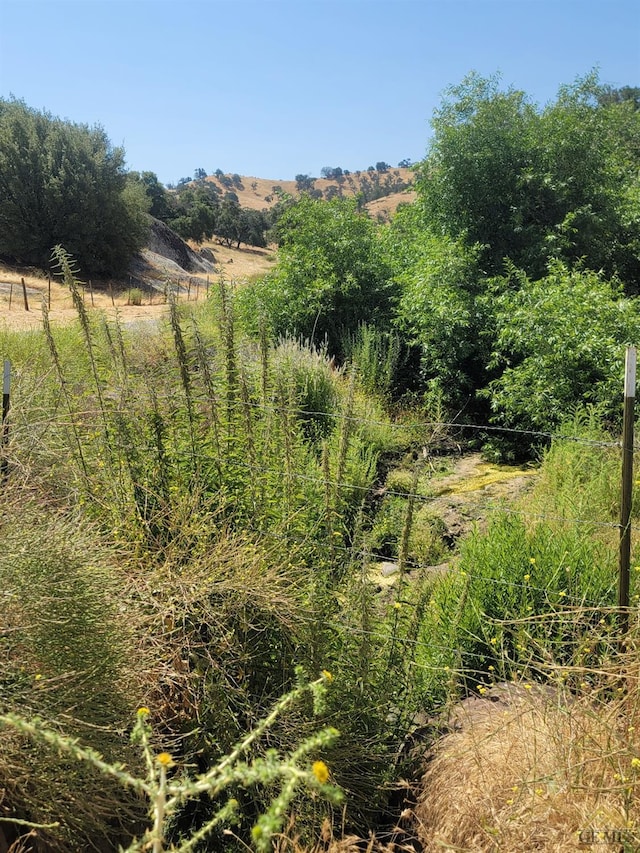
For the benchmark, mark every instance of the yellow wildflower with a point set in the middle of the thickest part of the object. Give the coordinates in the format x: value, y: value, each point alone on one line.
x: 527, y: 577
x: 327, y: 675
x: 532, y: 560
x: 635, y: 762
x: 143, y: 712
x: 320, y: 771
x: 165, y: 760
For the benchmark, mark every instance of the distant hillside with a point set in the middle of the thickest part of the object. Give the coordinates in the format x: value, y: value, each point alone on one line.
x: 380, y: 191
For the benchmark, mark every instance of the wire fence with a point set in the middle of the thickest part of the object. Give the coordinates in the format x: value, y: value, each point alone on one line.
x: 476, y: 503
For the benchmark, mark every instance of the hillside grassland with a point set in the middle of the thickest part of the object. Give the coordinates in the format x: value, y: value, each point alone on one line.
x: 250, y: 598
x: 261, y: 193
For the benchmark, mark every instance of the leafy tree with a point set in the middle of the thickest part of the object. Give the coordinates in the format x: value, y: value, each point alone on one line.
x: 199, y: 174
x: 331, y: 276
x: 381, y: 166
x: 405, y: 164
x: 159, y: 199
x: 236, y: 225
x: 530, y: 185
x: 64, y: 183
x: 195, y: 211
x: 439, y: 313
x: 469, y: 183
x: 304, y: 183
x: 559, y: 342
x: 331, y: 173
x: 610, y: 95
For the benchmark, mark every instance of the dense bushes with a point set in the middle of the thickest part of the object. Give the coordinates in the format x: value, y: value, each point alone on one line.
x: 331, y: 276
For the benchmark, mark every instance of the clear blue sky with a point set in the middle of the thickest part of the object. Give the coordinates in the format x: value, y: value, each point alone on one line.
x: 272, y: 88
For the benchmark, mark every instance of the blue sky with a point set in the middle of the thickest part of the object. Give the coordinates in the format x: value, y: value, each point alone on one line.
x: 273, y: 88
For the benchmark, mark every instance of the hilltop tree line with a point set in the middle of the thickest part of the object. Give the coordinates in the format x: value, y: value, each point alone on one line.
x: 376, y: 182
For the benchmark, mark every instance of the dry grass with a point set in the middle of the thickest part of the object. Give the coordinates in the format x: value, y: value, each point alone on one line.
x: 241, y: 264
x: 238, y: 265
x: 262, y: 195
x: 535, y: 773
x: 13, y: 314
x: 289, y: 842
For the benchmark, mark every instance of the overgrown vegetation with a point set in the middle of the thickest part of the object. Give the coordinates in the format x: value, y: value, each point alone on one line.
x: 192, y: 514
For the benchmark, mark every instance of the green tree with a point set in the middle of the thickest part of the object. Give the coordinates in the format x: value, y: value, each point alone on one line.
x: 469, y: 183
x: 559, y: 343
x: 159, y: 198
x: 195, y: 212
x: 64, y: 183
x: 532, y: 185
x: 332, y: 274
x: 440, y: 312
x: 304, y: 183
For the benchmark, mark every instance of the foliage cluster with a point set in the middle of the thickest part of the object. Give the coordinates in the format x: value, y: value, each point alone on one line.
x: 198, y: 211
x: 65, y: 183
x: 332, y: 275
x: 229, y: 482
x: 504, y: 282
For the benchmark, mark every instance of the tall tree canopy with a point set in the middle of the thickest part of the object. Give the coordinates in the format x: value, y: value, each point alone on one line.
x: 64, y: 183
x: 533, y: 185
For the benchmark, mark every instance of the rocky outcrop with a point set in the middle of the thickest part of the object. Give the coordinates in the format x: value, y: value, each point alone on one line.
x: 166, y: 243
x: 168, y: 258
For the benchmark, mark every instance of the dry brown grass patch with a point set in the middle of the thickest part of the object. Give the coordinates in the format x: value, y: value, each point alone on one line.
x: 533, y: 774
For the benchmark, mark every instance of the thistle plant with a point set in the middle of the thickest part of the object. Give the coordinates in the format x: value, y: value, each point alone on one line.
x: 167, y: 790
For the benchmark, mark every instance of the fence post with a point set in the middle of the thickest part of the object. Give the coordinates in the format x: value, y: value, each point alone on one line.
x: 627, y: 491
x: 24, y: 293
x: 6, y: 391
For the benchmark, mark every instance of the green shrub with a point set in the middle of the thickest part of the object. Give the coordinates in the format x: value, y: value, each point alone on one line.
x: 68, y: 654
x: 135, y: 296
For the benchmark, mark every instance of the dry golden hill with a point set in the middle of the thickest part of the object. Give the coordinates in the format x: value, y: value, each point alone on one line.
x: 263, y: 193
